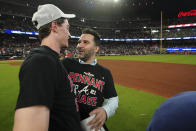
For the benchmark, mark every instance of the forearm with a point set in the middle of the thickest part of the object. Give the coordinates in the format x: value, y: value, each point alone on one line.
x: 110, y: 106
x: 34, y: 118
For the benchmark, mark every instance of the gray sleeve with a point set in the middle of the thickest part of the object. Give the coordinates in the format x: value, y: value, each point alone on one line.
x: 110, y: 106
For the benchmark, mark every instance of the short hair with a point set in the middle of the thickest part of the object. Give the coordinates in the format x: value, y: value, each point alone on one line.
x: 94, y: 33
x: 45, y: 30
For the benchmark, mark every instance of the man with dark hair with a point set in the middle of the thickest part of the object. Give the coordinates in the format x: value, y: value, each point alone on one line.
x: 45, y: 101
x: 92, y: 83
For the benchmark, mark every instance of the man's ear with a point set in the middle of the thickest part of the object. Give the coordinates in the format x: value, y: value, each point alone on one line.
x: 96, y: 49
x: 54, y: 26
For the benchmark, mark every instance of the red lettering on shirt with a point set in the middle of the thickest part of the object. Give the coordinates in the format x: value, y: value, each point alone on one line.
x: 87, y: 80
x: 89, y: 101
x: 81, y: 78
x: 83, y: 99
x: 94, y: 102
x: 102, y: 85
x: 98, y: 84
x: 75, y: 77
x: 71, y: 83
x: 71, y: 74
x: 92, y: 82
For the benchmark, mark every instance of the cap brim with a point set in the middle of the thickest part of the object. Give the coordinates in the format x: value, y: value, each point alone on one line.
x: 69, y: 15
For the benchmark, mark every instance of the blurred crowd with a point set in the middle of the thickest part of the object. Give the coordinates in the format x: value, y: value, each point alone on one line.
x: 12, y: 46
x: 18, y: 47
x: 108, y: 29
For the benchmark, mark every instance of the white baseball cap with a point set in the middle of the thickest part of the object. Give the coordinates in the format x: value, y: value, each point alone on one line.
x: 47, y: 13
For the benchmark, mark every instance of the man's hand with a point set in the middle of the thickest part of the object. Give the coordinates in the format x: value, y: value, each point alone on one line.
x: 99, y: 120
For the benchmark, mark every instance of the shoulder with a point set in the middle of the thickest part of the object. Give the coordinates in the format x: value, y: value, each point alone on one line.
x: 69, y: 60
x: 103, y: 68
x: 38, y: 60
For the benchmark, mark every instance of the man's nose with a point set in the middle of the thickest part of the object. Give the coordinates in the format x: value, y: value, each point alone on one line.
x: 80, y: 45
x: 69, y: 35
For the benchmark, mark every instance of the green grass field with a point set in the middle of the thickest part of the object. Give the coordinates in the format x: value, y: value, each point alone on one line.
x: 8, y: 95
x: 178, y: 59
x: 135, y: 107
x: 135, y: 110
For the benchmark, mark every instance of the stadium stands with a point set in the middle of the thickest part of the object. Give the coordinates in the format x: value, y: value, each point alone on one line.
x: 19, y: 45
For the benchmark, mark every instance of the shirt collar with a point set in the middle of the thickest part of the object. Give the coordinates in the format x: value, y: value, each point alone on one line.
x: 93, y: 63
x: 50, y: 51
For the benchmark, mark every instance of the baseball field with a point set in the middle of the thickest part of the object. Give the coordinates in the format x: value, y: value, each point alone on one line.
x: 142, y: 83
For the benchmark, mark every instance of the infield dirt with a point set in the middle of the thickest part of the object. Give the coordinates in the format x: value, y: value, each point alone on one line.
x: 162, y: 79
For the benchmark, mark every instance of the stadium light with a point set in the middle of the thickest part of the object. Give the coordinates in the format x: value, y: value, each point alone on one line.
x: 116, y: 1
x: 82, y: 20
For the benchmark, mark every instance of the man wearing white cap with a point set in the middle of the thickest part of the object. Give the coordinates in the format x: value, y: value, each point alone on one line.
x: 45, y: 101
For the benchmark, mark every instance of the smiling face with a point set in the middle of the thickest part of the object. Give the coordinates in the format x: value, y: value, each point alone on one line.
x: 87, y: 48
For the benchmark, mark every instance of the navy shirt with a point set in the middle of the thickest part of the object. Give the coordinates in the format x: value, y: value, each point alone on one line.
x: 176, y: 114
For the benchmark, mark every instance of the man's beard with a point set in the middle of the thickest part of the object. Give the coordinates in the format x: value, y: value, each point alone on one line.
x: 87, y: 55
